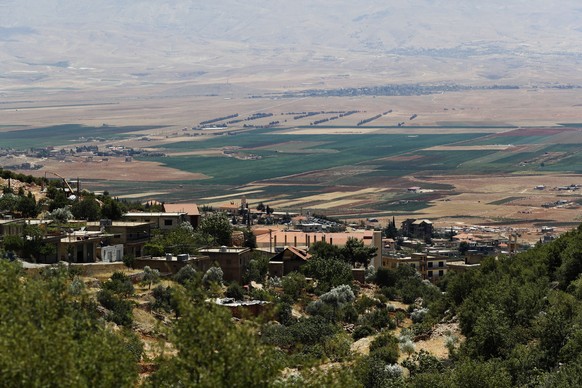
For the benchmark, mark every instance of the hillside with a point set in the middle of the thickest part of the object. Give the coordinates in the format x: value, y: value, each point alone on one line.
x: 519, y: 319
x: 57, y: 44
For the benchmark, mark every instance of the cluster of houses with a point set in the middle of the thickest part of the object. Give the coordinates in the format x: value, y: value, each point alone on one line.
x: 109, y: 241
x: 32, y: 158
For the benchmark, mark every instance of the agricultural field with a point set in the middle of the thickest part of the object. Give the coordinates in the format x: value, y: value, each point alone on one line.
x: 67, y: 134
x: 325, y: 155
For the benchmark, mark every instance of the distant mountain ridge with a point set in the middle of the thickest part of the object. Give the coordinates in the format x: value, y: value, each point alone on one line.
x: 128, y: 40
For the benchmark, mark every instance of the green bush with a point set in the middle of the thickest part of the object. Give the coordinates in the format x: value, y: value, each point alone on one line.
x: 294, y: 284
x: 185, y: 274
x: 384, y: 339
x: 235, y: 291
x: 120, y: 310
x: 363, y: 331
x: 337, y: 347
x: 119, y: 284
x: 387, y: 354
x: 163, y: 298
x: 379, y: 319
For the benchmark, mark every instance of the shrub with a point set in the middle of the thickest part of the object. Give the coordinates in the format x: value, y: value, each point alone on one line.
x: 379, y: 319
x: 294, y: 284
x: 374, y: 372
x: 389, y: 292
x: 76, y: 287
x: 133, y: 344
x: 418, y: 315
x: 363, y: 331
x: 423, y: 362
x: 407, y: 346
x: 120, y: 310
x: 261, y: 294
x: 337, y: 348
x: 364, y: 303
x: 235, y: 291
x: 384, y: 339
x: 185, y: 274
x: 162, y: 298
x: 119, y: 284
x: 213, y: 275
x: 386, y: 277
x: 284, y: 313
x: 387, y: 354
x: 150, y: 276
x: 349, y: 314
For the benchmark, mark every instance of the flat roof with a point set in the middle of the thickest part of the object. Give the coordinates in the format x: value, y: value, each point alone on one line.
x: 119, y: 223
x: 154, y: 214
x: 282, y: 237
x: 224, y: 250
x: 190, y: 208
x: 12, y: 220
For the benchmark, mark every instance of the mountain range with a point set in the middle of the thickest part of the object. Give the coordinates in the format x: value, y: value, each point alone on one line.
x: 59, y: 45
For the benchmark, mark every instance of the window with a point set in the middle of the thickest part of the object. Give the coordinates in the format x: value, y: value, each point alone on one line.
x: 168, y: 222
x: 430, y: 264
x: 441, y: 264
x: 430, y: 274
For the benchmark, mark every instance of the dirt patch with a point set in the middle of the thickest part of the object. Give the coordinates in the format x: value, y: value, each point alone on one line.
x: 492, y: 147
x: 362, y: 346
x: 114, y: 169
x: 404, y: 158
x: 437, y: 343
x: 534, y: 132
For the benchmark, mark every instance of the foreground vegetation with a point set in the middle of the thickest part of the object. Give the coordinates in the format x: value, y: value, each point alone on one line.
x: 520, y: 319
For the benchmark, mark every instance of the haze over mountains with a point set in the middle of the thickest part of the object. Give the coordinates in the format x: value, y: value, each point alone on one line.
x: 62, y: 45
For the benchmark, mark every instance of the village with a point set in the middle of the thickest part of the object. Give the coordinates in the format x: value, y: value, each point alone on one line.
x: 326, y: 293
x: 284, y: 237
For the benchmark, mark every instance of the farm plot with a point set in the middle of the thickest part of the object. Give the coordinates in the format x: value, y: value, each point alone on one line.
x: 525, y: 136
x: 65, y: 135
x: 330, y: 197
x: 330, y: 152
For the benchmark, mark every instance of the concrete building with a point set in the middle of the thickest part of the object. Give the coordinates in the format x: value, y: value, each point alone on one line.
x: 275, y: 240
x: 11, y: 227
x: 289, y: 260
x: 80, y: 247
x: 132, y: 235
x: 191, y: 210
x: 421, y: 229
x: 111, y: 253
x: 158, y: 220
x: 232, y: 261
x: 430, y: 267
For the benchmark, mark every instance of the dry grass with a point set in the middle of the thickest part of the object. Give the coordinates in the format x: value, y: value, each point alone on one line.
x: 114, y: 169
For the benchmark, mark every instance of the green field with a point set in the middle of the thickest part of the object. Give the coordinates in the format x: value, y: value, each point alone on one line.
x: 299, y: 165
x: 365, y: 150
x: 65, y: 134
